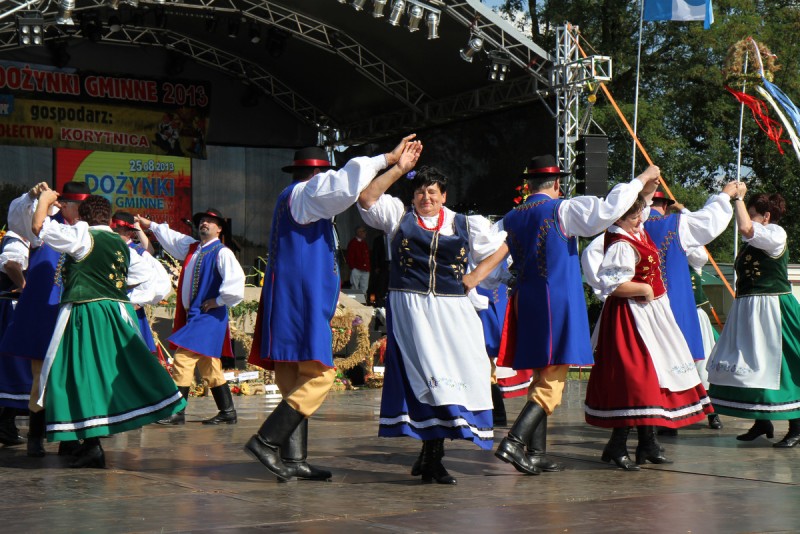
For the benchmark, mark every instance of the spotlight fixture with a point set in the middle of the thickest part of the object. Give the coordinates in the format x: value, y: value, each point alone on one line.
x: 64, y: 16
x: 433, y: 26
x: 254, y: 32
x: 414, y: 18
x: 474, y: 45
x: 30, y: 28
x: 499, y: 67
x: 377, y: 8
x: 114, y: 24
x: 358, y: 5
x: 233, y: 28
x: 342, y: 1
x: 397, y: 12
x: 113, y: 4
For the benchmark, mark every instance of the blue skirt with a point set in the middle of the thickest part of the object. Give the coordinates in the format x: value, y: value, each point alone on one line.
x: 402, y: 414
x: 15, y: 373
x: 144, y: 328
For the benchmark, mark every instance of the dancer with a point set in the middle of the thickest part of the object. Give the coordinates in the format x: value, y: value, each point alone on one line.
x: 754, y: 368
x: 644, y: 373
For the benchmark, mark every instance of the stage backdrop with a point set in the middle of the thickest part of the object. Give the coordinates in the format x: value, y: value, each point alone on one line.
x: 45, y: 106
x: 157, y: 187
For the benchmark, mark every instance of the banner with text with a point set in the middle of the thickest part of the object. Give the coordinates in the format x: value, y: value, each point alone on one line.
x: 156, y: 187
x: 46, y: 106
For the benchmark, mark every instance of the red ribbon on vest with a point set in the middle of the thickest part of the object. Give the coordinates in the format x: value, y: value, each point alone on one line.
x: 768, y: 125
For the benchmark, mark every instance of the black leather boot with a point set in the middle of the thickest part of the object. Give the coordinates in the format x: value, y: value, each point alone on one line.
x: 294, y: 452
x: 537, y: 447
x: 9, y: 433
x: 70, y: 448
x: 416, y: 469
x: 512, y: 448
x: 760, y: 427
x: 36, y: 428
x: 616, y: 449
x: 227, y: 412
x: 714, y: 422
x: 178, y: 418
x: 792, y: 438
x: 91, y: 455
x: 648, y: 450
x: 499, y: 417
x: 432, y: 467
x: 266, y: 444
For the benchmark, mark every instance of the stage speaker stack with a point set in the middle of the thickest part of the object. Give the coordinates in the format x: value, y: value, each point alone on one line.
x: 591, y: 165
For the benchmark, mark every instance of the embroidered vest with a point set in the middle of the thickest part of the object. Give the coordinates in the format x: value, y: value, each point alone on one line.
x: 648, y: 264
x: 759, y: 274
x: 101, y: 275
x: 429, y: 262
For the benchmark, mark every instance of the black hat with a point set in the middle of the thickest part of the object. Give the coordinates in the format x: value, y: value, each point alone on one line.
x: 543, y: 167
x: 75, y: 191
x: 210, y: 212
x: 123, y: 219
x: 309, y: 157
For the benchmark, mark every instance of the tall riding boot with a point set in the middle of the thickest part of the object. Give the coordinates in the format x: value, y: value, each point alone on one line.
x: 265, y: 446
x: 499, y: 417
x: 648, y: 450
x: 9, y: 433
x: 616, y: 449
x: 760, y: 426
x: 792, y: 438
x: 432, y: 467
x: 537, y: 447
x: 227, y: 411
x: 36, y: 428
x: 178, y: 418
x: 512, y: 448
x: 416, y: 469
x: 294, y: 452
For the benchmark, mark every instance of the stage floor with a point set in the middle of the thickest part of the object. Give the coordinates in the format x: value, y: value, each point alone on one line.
x: 196, y: 478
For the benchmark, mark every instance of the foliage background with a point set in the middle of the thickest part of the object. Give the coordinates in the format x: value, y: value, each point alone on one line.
x: 687, y: 121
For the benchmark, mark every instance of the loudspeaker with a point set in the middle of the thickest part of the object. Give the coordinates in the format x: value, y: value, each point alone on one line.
x: 591, y: 165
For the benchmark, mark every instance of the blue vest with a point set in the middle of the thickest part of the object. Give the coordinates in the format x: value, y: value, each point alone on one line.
x: 141, y: 315
x: 429, y: 262
x: 552, y: 321
x: 663, y: 230
x: 204, y: 332
x: 301, y: 289
x: 29, y: 333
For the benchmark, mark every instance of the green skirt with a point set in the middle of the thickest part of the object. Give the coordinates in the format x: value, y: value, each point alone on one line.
x: 104, y: 379
x: 773, y: 404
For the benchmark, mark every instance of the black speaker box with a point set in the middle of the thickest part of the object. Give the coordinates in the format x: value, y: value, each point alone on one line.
x: 591, y: 165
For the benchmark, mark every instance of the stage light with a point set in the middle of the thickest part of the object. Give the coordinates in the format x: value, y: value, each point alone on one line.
x: 30, y: 28
x: 233, y: 28
x: 433, y: 26
x: 499, y: 67
x: 474, y: 45
x: 358, y: 5
x: 113, y: 4
x: 114, y: 24
x: 414, y: 18
x: 64, y: 16
x: 255, y: 33
x: 377, y: 8
x: 397, y: 12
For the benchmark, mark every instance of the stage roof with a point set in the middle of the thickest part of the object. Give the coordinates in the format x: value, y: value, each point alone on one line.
x: 339, y: 70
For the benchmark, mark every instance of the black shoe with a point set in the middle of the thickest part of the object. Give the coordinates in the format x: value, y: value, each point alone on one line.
x: 36, y: 447
x: 9, y: 434
x: 616, y: 450
x: 174, y: 419
x: 227, y: 412
x: 70, y: 448
x: 294, y: 452
x: 714, y: 422
x: 537, y: 449
x: 512, y: 448
x: 432, y: 467
x: 92, y: 456
x: 648, y: 450
x: 266, y: 444
x: 36, y: 430
x: 270, y: 456
x: 760, y: 427
x: 792, y: 438
x: 416, y: 469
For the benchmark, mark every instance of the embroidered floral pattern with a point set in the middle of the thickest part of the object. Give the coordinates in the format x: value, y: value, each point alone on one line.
x: 445, y: 382
x: 460, y: 265
x: 119, y: 269
x: 683, y: 368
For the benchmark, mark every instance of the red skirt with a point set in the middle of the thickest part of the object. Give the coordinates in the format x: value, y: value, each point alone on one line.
x: 623, y: 386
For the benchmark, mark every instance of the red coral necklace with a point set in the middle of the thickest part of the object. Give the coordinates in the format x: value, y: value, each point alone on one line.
x: 436, y: 228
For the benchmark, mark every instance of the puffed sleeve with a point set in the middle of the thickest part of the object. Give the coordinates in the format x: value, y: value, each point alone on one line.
x: 704, y: 225
x: 384, y: 214
x: 697, y: 257
x: 484, y: 238
x: 618, y: 267
x: 591, y: 260
x: 175, y: 243
x: 16, y: 251
x: 770, y: 238
x: 587, y: 216
x: 74, y: 240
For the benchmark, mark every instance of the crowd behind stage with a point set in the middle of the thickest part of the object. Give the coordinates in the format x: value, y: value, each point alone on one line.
x: 476, y: 311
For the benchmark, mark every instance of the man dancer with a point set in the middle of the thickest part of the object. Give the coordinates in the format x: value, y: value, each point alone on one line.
x: 301, y: 290
x: 28, y: 335
x: 211, y: 281
x: 548, y: 298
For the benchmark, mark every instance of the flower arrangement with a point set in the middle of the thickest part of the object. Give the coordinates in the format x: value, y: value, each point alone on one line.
x: 747, y: 51
x: 523, y: 192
